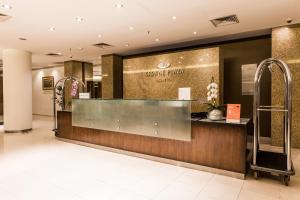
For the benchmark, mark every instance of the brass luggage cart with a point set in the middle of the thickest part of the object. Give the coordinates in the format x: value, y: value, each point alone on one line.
x: 267, y: 161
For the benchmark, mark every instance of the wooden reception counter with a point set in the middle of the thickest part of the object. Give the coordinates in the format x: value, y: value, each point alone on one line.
x: 218, y: 147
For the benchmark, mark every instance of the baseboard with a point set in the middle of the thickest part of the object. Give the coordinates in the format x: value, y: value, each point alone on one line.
x: 42, y: 115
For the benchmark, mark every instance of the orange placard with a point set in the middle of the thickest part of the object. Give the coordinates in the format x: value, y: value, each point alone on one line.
x: 233, y: 113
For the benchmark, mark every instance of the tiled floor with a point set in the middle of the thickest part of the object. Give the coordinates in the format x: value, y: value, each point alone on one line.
x: 36, y: 166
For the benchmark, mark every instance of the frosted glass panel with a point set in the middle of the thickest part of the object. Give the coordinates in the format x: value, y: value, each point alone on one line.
x: 163, y: 119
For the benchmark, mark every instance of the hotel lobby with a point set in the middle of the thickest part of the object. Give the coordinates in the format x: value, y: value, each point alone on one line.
x: 149, y: 100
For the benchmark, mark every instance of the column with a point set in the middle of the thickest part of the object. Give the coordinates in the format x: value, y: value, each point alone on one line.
x: 112, y: 84
x: 17, y: 90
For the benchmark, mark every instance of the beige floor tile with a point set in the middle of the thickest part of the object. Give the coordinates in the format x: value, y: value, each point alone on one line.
x: 26, y: 187
x: 219, y: 190
x: 194, y: 177
x: 263, y: 186
x: 204, y: 196
x: 250, y: 195
x: 179, y: 191
x: 5, y: 195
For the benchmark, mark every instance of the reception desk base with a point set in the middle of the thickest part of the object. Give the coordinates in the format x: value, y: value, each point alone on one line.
x: 215, y: 147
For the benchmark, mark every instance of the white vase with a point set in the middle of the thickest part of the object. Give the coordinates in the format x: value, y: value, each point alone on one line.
x: 215, y: 114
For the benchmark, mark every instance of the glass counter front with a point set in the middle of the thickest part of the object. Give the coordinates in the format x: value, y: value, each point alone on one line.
x: 169, y: 119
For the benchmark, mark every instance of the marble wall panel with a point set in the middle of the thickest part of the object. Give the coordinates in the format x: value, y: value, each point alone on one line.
x: 286, y: 46
x: 107, y: 81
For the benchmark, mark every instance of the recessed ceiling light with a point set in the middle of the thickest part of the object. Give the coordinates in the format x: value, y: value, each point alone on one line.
x: 119, y: 5
x: 195, y: 32
x: 21, y: 38
x: 131, y: 28
x: 80, y: 48
x: 52, y: 29
x: 174, y: 17
x: 127, y: 45
x: 157, y: 40
x: 79, y: 19
x: 5, y: 6
x: 99, y: 36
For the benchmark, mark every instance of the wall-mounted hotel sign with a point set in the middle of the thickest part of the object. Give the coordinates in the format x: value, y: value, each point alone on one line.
x: 160, y: 76
x: 164, y: 73
x: 163, y: 65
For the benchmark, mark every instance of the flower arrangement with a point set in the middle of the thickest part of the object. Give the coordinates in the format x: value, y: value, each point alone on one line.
x: 59, y: 96
x: 212, y: 95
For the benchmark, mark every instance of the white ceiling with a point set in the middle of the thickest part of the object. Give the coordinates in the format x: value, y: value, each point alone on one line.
x: 31, y: 19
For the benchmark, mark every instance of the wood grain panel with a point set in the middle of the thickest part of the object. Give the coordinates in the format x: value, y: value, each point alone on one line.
x: 221, y: 146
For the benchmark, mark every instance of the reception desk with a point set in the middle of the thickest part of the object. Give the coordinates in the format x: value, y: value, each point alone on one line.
x: 169, y: 119
x: 159, y: 130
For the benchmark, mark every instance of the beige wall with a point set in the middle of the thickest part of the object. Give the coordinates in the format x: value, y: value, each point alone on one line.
x: 286, y: 46
x: 190, y: 68
x: 1, y: 95
x: 42, y: 99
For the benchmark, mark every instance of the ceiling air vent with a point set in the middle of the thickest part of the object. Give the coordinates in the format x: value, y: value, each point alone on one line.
x: 54, y: 54
x: 4, y: 17
x: 223, y: 21
x: 103, y: 45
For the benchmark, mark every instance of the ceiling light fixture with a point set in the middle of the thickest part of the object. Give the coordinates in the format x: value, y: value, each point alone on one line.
x: 289, y: 20
x: 80, y: 48
x: 127, y: 45
x: 157, y: 40
x: 174, y: 17
x: 52, y: 29
x: 5, y: 6
x: 70, y: 56
x: 131, y: 28
x: 79, y: 19
x: 195, y: 32
x: 118, y: 5
x: 99, y: 36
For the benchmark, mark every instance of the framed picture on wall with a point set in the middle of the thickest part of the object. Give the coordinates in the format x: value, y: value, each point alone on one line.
x: 48, y: 82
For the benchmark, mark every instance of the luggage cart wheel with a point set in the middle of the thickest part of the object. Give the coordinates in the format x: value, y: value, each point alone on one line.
x: 256, y: 174
x: 286, y: 179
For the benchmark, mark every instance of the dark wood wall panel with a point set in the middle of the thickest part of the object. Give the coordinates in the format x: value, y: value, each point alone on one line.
x: 220, y: 146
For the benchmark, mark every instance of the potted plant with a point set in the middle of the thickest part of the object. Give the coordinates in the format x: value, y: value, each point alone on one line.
x: 214, y: 111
